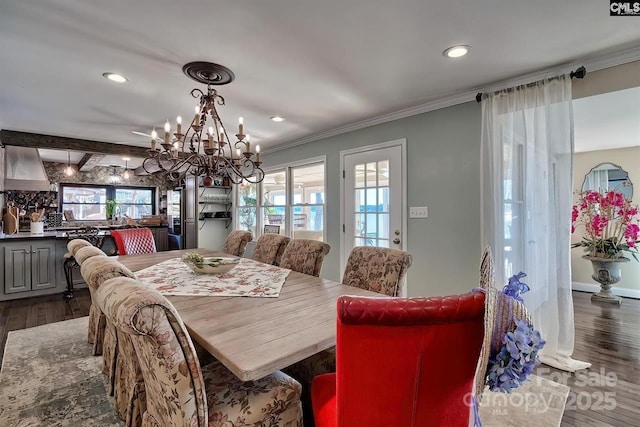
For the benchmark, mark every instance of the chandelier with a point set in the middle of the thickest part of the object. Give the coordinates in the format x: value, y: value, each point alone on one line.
x: 205, y: 148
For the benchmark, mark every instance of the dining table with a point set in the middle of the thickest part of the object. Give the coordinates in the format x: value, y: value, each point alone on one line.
x: 254, y: 337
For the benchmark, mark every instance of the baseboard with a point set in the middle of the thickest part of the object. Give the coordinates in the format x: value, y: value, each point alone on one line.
x: 591, y: 287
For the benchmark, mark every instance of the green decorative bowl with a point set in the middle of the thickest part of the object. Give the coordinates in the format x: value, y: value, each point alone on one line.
x: 210, y: 265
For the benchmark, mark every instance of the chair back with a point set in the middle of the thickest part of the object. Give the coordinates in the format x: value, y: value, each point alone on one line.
x: 236, y: 241
x: 269, y: 248
x: 407, y: 361
x: 377, y: 269
x: 86, y: 252
x: 133, y: 241
x: 174, y: 386
x: 305, y: 256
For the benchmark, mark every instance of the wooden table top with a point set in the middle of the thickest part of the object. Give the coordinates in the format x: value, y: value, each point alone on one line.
x: 254, y: 337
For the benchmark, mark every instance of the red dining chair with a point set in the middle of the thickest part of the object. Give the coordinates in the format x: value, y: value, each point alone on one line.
x: 402, y: 362
x: 131, y: 241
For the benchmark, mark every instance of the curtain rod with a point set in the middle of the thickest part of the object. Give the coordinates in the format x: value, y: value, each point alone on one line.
x: 578, y: 74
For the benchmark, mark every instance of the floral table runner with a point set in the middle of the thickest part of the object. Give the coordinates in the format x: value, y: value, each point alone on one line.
x: 248, y: 279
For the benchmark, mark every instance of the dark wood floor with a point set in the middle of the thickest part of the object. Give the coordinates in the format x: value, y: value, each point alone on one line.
x: 608, y: 394
x: 29, y: 312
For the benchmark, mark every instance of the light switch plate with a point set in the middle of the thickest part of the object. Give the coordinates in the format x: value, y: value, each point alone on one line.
x: 418, y: 212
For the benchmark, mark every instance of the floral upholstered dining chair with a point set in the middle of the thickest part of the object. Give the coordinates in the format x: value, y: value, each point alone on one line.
x: 269, y: 248
x: 305, y: 256
x: 179, y: 392
x: 376, y: 269
x: 236, y: 241
x: 81, y: 251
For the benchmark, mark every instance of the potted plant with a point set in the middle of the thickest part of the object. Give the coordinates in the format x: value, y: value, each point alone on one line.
x: 110, y: 209
x: 612, y: 228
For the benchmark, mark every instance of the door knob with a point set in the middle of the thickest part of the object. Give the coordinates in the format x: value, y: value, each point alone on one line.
x: 396, y: 240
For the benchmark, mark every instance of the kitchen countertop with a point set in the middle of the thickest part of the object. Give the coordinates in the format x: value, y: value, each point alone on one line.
x: 58, y: 233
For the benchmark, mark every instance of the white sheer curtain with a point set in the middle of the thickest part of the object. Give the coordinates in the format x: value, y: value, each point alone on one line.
x: 527, y: 166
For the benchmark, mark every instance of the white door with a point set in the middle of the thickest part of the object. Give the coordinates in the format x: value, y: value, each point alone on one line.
x: 373, y: 197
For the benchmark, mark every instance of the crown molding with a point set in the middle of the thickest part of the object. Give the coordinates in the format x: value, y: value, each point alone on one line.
x: 592, y: 63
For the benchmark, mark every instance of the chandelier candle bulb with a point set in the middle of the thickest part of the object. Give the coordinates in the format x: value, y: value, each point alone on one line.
x: 196, y: 119
x: 221, y: 134
x: 167, y: 130
x: 154, y: 135
x: 179, y: 125
x: 258, y: 153
x: 240, y: 125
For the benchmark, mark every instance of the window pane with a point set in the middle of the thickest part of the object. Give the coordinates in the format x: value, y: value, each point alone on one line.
x: 84, y: 195
x: 360, y: 201
x: 308, y: 199
x: 134, y: 196
x: 134, y: 211
x: 247, y: 194
x: 247, y: 219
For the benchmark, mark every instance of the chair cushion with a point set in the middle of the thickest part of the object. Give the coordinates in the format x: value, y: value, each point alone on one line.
x: 323, y: 394
x: 231, y: 400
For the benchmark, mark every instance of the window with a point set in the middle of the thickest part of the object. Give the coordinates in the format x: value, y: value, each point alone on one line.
x: 247, y: 207
x: 308, y: 201
x: 274, y: 199
x: 291, y: 198
x: 88, y: 202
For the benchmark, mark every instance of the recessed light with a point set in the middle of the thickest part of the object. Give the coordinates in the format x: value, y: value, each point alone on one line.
x: 456, y: 51
x: 115, y: 77
x: 126, y: 159
x: 277, y: 118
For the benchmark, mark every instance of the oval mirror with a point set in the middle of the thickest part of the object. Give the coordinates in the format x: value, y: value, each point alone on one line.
x: 607, y: 176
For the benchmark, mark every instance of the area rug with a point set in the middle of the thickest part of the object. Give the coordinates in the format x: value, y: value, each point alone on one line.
x: 49, y: 378
x: 537, y: 403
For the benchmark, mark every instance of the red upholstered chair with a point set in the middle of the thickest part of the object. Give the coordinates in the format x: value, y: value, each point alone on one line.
x: 133, y: 241
x: 402, y: 362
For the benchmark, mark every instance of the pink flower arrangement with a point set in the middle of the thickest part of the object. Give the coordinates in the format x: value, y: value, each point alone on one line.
x: 611, y: 224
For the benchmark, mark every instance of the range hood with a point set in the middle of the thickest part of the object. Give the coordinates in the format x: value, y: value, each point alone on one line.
x: 24, y: 170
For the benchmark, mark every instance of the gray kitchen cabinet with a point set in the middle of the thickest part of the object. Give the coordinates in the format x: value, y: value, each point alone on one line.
x: 29, y: 266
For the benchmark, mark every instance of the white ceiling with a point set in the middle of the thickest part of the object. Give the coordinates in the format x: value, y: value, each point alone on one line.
x: 610, y: 120
x: 320, y: 64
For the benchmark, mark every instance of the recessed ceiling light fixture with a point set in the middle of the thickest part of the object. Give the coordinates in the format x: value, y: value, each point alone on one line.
x: 277, y: 118
x: 115, y: 77
x: 456, y: 51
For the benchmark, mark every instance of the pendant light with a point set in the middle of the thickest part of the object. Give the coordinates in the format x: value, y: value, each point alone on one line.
x: 68, y: 170
x: 114, y: 178
x: 126, y: 175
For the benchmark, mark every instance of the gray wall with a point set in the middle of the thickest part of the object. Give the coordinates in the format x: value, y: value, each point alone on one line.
x: 443, y: 158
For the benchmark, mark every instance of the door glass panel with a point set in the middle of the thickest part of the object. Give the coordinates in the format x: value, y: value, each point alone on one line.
x: 383, y: 225
x: 372, y: 200
x: 359, y: 176
x: 360, y: 201
x: 359, y: 242
x: 372, y: 227
x: 359, y: 229
x: 371, y: 174
x: 383, y: 173
x: 383, y: 199
x: 382, y: 243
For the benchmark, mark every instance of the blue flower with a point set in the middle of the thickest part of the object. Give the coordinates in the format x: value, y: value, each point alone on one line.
x: 516, y: 359
x: 515, y: 287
